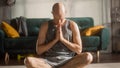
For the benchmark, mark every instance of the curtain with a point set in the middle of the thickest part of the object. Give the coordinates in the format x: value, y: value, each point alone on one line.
x: 5, y: 11
x: 115, y: 25
x: 115, y: 10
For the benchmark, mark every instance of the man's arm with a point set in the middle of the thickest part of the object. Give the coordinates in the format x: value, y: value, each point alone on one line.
x: 76, y: 45
x: 41, y: 47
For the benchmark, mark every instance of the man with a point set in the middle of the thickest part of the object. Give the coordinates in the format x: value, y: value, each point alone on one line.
x: 58, y: 42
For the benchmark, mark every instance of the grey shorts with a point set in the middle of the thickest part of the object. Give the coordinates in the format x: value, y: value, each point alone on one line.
x: 58, y: 61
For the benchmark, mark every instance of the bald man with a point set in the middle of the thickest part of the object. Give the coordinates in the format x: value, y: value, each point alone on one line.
x: 58, y: 42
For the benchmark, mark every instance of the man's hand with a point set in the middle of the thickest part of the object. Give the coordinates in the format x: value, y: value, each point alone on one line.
x: 59, y: 33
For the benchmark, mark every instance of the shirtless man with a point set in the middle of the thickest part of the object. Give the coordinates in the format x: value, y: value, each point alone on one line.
x: 58, y: 42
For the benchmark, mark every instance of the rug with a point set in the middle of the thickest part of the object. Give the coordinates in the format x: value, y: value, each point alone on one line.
x: 94, y: 65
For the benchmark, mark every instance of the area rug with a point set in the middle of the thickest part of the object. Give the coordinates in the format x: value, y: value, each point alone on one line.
x: 94, y: 65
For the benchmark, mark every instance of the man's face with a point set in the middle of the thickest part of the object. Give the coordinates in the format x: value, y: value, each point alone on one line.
x: 59, y: 12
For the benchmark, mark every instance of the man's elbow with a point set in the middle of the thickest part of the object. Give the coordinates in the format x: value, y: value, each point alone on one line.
x: 79, y: 50
x: 38, y: 52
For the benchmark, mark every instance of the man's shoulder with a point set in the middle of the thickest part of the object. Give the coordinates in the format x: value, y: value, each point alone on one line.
x: 72, y: 22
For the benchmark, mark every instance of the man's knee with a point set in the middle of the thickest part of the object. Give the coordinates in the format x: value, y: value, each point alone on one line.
x: 88, y: 57
x: 27, y: 60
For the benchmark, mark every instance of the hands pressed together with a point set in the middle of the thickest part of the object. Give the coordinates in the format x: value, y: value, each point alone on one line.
x: 59, y: 33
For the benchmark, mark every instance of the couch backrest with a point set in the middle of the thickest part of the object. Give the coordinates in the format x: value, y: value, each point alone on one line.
x: 83, y: 22
x: 33, y: 24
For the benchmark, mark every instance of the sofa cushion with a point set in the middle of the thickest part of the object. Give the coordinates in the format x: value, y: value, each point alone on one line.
x: 90, y: 41
x: 89, y: 49
x: 1, y: 41
x: 20, y: 43
x: 83, y: 22
x: 9, y: 30
x: 34, y: 25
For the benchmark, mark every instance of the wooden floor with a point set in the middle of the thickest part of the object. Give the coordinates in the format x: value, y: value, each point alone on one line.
x: 104, y: 58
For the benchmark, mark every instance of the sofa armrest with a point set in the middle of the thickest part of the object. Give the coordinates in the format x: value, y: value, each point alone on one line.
x: 104, y: 38
x: 2, y: 36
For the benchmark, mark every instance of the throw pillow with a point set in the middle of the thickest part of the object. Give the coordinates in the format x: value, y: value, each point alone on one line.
x: 9, y: 30
x: 92, y: 30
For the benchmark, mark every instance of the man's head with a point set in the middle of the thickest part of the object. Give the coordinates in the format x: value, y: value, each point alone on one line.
x: 58, y: 11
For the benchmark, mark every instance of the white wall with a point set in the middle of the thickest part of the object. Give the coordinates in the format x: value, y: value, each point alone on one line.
x: 75, y: 8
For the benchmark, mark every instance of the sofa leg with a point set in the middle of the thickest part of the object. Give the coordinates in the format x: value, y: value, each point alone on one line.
x: 6, y: 58
x: 98, y: 56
